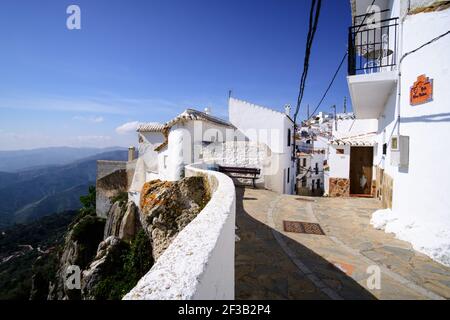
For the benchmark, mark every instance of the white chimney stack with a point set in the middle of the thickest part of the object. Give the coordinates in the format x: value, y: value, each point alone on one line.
x: 287, y: 109
x: 208, y: 110
x: 131, y: 153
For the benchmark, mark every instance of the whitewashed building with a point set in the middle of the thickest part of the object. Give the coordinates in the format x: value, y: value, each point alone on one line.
x: 399, y: 74
x: 350, y: 157
x: 165, y: 149
x: 310, y: 178
x: 255, y: 137
x: 274, y: 129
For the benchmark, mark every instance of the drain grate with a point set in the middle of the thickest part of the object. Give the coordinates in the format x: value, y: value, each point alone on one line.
x: 303, y: 227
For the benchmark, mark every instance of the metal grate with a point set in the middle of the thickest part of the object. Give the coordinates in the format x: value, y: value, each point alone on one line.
x: 303, y: 227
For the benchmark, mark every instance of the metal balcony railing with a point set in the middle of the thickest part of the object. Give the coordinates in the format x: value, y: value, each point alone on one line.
x: 372, y: 47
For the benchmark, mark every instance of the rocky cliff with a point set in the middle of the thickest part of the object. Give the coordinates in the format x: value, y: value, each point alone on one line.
x: 114, y: 253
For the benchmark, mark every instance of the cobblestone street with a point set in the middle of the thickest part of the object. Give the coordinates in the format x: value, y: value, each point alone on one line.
x: 274, y: 264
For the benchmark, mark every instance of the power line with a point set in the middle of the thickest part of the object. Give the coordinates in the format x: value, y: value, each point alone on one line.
x: 329, y: 86
x: 424, y: 45
x: 313, y: 22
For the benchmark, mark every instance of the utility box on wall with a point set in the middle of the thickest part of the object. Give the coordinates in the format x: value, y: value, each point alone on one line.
x: 400, y: 151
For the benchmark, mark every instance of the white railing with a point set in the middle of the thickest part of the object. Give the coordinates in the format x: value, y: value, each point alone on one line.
x: 199, y: 263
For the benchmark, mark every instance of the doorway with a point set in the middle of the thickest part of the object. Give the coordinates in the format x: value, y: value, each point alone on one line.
x: 361, y: 166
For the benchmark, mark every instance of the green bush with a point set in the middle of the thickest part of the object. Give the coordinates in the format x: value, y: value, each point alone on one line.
x: 133, y: 265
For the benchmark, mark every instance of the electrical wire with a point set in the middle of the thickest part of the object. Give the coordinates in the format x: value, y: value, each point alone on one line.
x: 313, y: 22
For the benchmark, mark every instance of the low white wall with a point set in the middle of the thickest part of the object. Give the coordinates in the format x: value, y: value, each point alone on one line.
x: 199, y: 263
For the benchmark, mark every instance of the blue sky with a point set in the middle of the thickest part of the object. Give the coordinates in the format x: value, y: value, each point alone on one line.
x: 146, y: 61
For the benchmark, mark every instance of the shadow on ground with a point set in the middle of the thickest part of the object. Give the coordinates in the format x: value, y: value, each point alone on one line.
x: 264, y: 271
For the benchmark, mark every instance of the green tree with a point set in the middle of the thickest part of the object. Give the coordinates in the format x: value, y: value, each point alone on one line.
x: 88, y: 202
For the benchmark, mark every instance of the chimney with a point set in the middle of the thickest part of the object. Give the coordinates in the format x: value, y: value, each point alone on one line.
x: 208, y: 110
x: 287, y: 109
x: 131, y: 153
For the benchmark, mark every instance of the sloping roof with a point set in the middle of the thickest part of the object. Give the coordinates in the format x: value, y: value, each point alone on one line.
x: 362, y: 140
x: 191, y: 114
x: 187, y: 115
x: 150, y: 127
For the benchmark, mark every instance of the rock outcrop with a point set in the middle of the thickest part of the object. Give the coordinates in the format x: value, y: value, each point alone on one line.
x: 80, y: 246
x: 114, y: 253
x: 108, y: 260
x: 167, y: 207
x: 122, y: 221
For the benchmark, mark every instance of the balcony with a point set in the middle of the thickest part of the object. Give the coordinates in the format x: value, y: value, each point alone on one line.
x: 372, y: 61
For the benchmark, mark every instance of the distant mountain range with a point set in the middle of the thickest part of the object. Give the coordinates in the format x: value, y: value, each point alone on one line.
x: 32, y: 193
x: 15, y: 161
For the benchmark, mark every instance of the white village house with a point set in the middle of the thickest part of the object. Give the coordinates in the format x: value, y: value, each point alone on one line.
x: 350, y: 157
x: 273, y: 129
x: 310, y: 178
x: 254, y: 137
x: 399, y: 71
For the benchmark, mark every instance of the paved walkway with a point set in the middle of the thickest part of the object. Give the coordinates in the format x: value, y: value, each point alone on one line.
x: 274, y: 264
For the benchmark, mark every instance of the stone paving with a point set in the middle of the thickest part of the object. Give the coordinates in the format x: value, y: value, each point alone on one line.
x: 273, y: 264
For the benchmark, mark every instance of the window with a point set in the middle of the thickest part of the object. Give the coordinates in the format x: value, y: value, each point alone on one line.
x: 318, y: 184
x: 312, y: 185
x: 339, y: 151
x: 288, y: 174
x: 384, y: 149
x: 304, y: 162
x: 317, y: 168
x: 289, y: 138
x: 304, y: 182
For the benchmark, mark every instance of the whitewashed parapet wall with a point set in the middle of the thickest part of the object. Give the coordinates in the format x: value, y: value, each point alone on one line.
x: 199, y: 263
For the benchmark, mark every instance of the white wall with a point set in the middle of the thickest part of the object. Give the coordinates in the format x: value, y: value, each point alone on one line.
x: 259, y: 123
x: 427, y: 125
x: 199, y: 263
x: 354, y: 127
x: 146, y: 149
x: 420, y: 191
x: 269, y: 127
x: 339, y: 163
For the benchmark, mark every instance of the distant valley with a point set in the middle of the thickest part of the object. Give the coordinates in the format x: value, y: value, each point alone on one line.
x: 19, y: 160
x: 29, y: 194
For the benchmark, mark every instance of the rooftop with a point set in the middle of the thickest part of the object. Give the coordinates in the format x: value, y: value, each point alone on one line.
x: 187, y: 115
x: 366, y: 139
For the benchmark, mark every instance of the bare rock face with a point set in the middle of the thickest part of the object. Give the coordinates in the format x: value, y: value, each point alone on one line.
x: 167, y: 207
x: 122, y: 221
x: 130, y: 224
x: 80, y: 246
x: 106, y: 262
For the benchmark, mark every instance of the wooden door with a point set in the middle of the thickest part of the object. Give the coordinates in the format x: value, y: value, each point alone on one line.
x: 361, y: 166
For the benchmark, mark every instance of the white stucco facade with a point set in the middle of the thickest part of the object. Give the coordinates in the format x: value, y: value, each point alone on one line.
x: 311, y: 173
x: 165, y: 149
x: 420, y: 202
x: 352, y: 132
x: 274, y: 129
